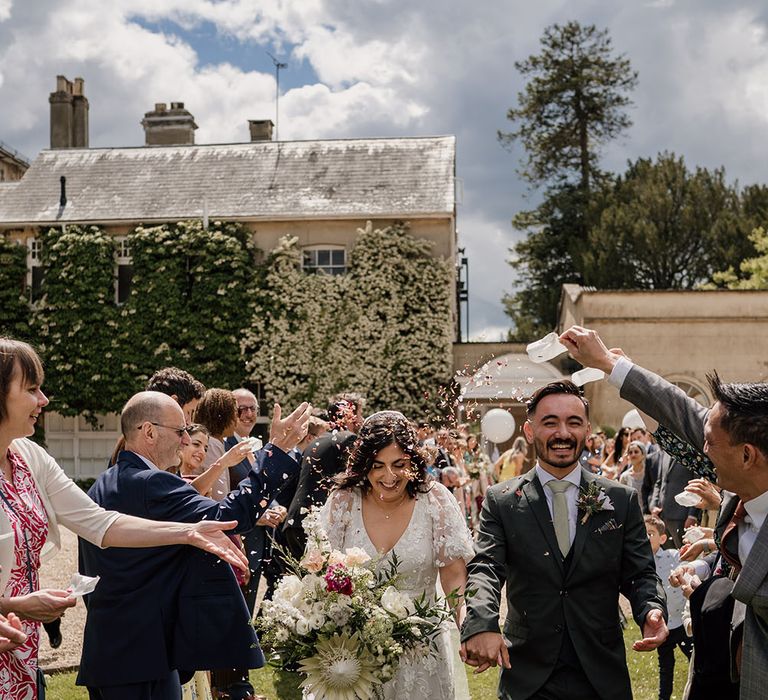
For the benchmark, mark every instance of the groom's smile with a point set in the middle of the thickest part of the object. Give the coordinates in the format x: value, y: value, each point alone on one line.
x: 558, y: 430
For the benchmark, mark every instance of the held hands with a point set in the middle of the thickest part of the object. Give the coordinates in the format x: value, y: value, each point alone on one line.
x: 209, y: 536
x: 286, y: 433
x: 485, y: 650
x: 11, y: 632
x: 45, y: 605
x: 654, y: 632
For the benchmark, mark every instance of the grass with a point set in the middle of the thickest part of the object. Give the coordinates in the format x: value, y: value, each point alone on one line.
x: 643, y: 669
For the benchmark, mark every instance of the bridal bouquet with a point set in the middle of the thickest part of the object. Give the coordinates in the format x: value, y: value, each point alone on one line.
x: 344, y: 625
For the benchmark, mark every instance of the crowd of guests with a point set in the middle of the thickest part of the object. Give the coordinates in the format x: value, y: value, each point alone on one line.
x: 187, y: 469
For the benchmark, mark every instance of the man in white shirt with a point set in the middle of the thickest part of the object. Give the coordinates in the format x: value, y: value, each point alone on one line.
x: 734, y: 435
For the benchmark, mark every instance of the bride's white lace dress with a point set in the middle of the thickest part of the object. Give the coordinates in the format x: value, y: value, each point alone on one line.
x: 436, y: 535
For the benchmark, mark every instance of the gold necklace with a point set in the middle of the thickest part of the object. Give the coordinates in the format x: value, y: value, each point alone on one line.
x: 384, y: 512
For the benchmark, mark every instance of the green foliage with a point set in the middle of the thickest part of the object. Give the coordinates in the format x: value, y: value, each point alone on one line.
x: 665, y: 227
x: 397, y: 330
x: 573, y: 103
x: 76, y: 318
x: 295, y: 323
x: 754, y: 271
x: 189, y: 301
x: 14, y: 304
x: 383, y: 329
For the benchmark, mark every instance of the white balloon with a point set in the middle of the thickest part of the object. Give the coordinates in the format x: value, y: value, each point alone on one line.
x: 632, y: 419
x: 498, y: 425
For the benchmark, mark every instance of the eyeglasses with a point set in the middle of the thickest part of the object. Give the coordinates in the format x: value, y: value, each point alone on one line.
x: 247, y: 409
x: 179, y: 431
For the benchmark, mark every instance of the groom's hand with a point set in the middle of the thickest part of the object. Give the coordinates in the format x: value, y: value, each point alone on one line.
x: 654, y: 632
x: 484, y: 650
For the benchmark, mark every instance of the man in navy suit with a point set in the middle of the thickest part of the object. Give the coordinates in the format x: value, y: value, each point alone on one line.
x: 158, y: 613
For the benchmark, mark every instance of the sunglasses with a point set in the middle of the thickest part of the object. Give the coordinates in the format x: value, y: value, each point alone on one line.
x: 179, y: 431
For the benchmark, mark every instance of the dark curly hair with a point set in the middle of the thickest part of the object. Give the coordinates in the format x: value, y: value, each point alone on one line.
x: 217, y: 411
x: 379, y: 431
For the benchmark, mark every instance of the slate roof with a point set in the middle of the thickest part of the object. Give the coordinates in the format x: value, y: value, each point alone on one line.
x: 398, y: 177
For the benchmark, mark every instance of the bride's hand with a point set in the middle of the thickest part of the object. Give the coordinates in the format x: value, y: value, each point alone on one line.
x: 484, y: 650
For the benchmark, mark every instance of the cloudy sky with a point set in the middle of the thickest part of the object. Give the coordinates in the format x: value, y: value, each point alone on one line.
x: 368, y: 68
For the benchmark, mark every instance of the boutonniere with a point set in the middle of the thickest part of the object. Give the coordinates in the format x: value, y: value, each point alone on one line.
x: 592, y: 499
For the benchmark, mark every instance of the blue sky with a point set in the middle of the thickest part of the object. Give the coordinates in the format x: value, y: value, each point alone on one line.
x: 392, y: 68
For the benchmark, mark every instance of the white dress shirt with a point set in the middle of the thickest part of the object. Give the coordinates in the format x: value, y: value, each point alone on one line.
x: 571, y: 495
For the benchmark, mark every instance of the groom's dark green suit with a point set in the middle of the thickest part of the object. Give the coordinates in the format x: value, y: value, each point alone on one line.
x: 560, y: 610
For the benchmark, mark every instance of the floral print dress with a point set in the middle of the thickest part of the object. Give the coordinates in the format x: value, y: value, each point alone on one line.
x: 26, y: 513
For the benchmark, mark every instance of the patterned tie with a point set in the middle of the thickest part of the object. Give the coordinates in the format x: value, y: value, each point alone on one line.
x: 560, y: 514
x: 731, y: 532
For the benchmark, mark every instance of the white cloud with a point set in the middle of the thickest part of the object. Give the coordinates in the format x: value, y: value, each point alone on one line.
x: 5, y: 9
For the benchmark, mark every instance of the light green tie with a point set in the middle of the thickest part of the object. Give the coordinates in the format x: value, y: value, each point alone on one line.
x: 560, y: 514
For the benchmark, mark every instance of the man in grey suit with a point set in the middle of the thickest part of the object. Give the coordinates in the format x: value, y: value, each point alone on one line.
x: 565, y: 542
x: 734, y: 435
x: 672, y: 479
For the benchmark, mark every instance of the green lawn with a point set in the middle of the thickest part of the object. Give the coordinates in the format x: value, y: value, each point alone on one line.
x: 643, y: 669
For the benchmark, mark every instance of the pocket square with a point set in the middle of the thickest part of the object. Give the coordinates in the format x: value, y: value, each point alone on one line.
x: 608, y: 526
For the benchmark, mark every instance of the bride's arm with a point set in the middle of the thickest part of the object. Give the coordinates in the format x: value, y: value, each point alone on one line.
x: 453, y: 579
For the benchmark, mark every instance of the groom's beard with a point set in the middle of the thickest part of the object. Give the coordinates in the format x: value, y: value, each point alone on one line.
x: 560, y: 459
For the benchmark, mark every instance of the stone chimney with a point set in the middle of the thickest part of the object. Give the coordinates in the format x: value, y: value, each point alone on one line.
x: 69, y: 114
x: 169, y: 127
x: 261, y: 129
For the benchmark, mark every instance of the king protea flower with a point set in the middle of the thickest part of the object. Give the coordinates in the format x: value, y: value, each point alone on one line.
x: 339, y: 670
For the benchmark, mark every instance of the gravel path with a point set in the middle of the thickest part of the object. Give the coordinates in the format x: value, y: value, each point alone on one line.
x: 56, y: 574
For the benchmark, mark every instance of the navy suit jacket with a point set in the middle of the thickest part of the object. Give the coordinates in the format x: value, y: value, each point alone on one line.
x: 162, y: 608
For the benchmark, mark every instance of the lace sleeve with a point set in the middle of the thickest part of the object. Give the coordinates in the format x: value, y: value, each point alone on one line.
x: 335, y: 516
x: 451, y: 538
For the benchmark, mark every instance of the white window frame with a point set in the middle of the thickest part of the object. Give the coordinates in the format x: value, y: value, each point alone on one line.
x: 324, y: 268
x: 123, y: 257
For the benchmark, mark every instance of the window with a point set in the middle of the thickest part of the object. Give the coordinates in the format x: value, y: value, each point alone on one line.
x: 34, y: 268
x: 331, y: 261
x: 695, y: 392
x: 124, y: 272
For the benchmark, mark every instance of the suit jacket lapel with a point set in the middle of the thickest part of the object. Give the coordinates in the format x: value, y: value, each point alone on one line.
x: 582, y: 530
x: 537, y: 501
x: 755, y: 569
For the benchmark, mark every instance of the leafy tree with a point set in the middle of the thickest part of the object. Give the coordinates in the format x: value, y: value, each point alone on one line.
x: 189, y: 301
x: 574, y: 102
x: 754, y: 271
x: 75, y: 321
x: 14, y: 303
x: 665, y: 227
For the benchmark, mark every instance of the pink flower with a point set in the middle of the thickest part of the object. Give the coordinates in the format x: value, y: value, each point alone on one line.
x: 313, y: 561
x: 337, y: 579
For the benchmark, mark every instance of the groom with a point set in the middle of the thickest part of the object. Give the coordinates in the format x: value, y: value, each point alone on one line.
x: 565, y: 542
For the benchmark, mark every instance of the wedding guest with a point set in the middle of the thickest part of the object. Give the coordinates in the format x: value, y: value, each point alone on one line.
x: 673, y: 478
x: 616, y: 461
x: 36, y: 497
x: 634, y: 474
x: 666, y: 561
x: 217, y: 411
x: 384, y: 505
x: 322, y: 460
x: 511, y: 463
x: 592, y: 456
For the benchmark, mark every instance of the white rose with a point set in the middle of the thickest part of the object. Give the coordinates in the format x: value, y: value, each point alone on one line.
x: 302, y: 626
x: 395, y: 602
x: 316, y: 621
x: 288, y: 589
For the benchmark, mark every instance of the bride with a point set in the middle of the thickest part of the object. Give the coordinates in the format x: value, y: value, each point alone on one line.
x: 384, y: 504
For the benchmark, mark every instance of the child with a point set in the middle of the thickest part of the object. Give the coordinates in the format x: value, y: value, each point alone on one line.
x: 666, y: 560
